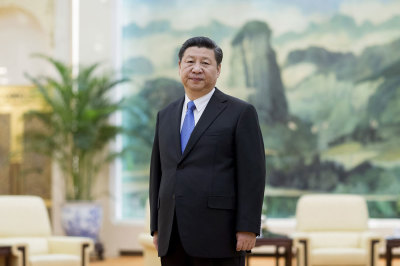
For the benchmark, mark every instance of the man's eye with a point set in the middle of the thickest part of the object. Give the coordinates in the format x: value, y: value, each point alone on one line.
x: 205, y: 63
x: 189, y: 61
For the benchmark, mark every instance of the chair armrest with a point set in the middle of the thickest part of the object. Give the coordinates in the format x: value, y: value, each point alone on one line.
x: 302, y: 243
x: 299, y: 235
x: 300, y: 238
x: 80, y: 246
x: 368, y: 237
x: 69, y: 244
x: 371, y: 241
x: 19, y: 250
x: 146, y: 240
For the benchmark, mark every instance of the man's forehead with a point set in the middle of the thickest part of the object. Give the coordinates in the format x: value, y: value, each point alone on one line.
x: 195, y: 51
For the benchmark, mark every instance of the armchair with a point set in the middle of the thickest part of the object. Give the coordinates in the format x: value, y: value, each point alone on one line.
x: 333, y: 230
x: 150, y: 254
x: 25, y: 227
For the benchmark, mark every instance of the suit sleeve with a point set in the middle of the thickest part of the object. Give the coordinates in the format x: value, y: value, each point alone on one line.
x: 250, y: 171
x: 155, y: 177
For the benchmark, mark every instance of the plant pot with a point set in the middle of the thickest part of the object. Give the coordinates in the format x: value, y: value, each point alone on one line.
x: 82, y: 219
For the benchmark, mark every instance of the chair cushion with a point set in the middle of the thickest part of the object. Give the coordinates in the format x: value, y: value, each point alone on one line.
x: 54, y: 260
x: 339, y: 256
x: 335, y: 239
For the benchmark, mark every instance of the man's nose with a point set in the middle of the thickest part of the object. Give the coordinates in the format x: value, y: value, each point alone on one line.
x: 197, y: 68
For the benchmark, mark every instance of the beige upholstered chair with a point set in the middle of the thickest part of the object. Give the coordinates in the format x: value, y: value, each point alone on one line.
x: 25, y: 226
x: 333, y: 230
x: 150, y: 254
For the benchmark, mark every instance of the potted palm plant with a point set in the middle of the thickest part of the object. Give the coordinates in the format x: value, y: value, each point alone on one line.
x: 75, y: 133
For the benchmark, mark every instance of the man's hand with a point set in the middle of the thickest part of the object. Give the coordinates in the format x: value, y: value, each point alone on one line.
x: 155, y: 240
x: 245, y: 241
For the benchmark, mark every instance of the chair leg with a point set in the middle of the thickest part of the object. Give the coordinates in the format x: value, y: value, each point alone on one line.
x: 277, y: 255
x: 84, y: 247
x: 22, y: 249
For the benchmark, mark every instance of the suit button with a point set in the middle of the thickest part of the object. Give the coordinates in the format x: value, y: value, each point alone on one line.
x: 180, y: 166
x: 173, y: 196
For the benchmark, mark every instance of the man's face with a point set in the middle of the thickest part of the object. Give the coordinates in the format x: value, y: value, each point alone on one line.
x: 198, y: 70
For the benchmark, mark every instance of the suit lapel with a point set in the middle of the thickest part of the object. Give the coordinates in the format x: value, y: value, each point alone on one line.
x: 214, y: 107
x: 176, y: 127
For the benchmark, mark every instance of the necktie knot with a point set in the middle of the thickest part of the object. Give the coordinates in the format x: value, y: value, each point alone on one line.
x: 191, y: 106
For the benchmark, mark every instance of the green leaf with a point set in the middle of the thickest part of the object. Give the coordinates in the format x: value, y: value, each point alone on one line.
x: 75, y: 129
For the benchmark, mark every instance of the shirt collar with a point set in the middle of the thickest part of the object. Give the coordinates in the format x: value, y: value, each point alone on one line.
x: 201, y: 102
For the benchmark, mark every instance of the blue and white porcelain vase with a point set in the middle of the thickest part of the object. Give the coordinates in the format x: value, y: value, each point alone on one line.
x: 82, y: 219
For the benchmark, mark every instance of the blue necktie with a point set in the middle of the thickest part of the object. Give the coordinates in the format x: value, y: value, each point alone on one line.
x: 188, y: 125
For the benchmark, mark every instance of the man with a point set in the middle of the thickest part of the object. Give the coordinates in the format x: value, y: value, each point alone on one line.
x: 207, y: 172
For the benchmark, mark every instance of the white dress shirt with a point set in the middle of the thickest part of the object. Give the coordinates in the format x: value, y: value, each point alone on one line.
x: 200, y: 103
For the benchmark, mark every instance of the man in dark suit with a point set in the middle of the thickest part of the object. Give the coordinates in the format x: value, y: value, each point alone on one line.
x: 207, y: 173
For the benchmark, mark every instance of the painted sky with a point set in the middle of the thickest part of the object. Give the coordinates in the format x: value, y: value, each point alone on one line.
x: 283, y: 16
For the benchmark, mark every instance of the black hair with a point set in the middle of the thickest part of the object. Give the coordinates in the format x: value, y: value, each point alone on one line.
x: 200, y: 42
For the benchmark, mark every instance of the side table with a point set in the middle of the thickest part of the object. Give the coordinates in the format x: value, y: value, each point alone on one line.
x: 276, y: 240
x: 391, y: 242
x: 5, y: 251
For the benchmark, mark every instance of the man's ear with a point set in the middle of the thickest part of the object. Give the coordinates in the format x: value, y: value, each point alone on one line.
x: 179, y: 67
x: 219, y: 69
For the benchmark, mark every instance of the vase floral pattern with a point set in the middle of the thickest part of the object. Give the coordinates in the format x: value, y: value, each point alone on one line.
x: 82, y: 219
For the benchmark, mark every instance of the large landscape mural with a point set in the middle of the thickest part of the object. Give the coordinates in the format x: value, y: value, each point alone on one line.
x: 324, y: 77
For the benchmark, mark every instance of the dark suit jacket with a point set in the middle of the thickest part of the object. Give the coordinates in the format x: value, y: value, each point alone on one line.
x: 216, y: 187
